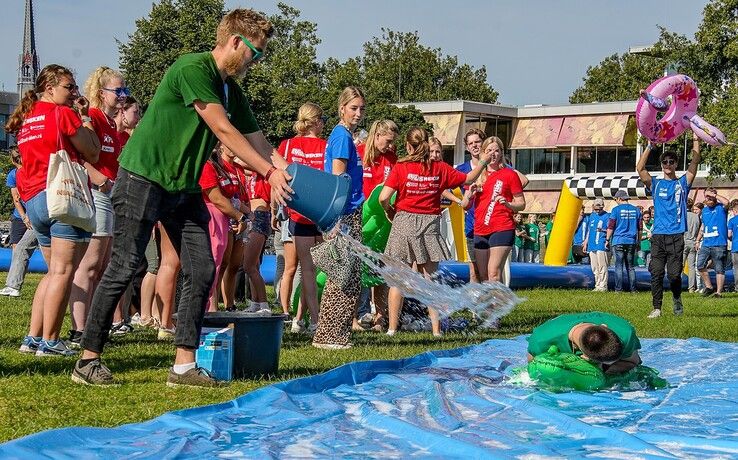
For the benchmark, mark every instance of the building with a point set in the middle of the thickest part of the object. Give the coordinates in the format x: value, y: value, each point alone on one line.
x: 550, y: 143
x: 8, y: 101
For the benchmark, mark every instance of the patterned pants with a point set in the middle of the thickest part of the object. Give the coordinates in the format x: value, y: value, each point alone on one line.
x: 337, y: 306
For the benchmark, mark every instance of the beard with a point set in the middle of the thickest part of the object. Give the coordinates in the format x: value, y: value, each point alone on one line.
x: 235, y: 68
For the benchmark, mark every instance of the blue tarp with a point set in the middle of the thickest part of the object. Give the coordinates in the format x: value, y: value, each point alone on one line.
x: 446, y: 404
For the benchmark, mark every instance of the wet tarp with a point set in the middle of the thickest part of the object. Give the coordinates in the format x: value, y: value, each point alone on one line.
x: 446, y: 404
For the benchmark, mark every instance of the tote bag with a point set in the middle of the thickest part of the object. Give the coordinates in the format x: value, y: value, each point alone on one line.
x: 68, y: 196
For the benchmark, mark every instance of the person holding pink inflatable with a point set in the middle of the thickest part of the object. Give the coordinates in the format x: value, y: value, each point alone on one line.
x: 670, y: 222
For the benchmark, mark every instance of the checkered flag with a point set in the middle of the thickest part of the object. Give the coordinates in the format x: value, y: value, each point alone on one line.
x: 592, y: 187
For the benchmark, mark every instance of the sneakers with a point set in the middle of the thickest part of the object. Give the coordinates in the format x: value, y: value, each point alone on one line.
x: 717, y: 295
x: 391, y: 332
x: 150, y: 322
x: 297, y: 327
x: 708, y: 292
x: 197, y: 377
x: 54, y: 348
x: 312, y: 328
x: 75, y: 337
x: 135, y: 319
x: 332, y: 346
x: 30, y: 344
x: 10, y: 292
x: 655, y: 313
x: 366, y: 321
x: 258, y: 307
x: 165, y: 334
x: 93, y: 373
x: 678, y: 307
x: 121, y: 328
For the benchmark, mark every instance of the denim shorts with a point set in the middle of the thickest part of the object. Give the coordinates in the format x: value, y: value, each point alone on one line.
x: 262, y: 223
x: 716, y: 253
x: 103, y: 213
x: 46, y: 228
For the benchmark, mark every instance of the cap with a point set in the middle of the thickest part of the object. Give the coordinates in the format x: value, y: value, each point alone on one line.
x: 598, y: 201
x: 621, y: 195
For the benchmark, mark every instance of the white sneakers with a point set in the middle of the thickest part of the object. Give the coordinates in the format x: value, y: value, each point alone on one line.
x: 655, y: 313
x: 258, y: 307
x: 10, y: 291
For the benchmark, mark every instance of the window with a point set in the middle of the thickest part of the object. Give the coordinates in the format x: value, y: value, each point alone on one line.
x: 606, y: 159
x: 543, y: 161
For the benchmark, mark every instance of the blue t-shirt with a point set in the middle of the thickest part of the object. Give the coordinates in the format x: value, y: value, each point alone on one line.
x: 626, y: 218
x: 714, y: 226
x: 341, y: 147
x: 670, y: 205
x: 733, y: 227
x: 10, y: 182
x: 466, y: 168
x: 581, y: 231
x: 597, y: 231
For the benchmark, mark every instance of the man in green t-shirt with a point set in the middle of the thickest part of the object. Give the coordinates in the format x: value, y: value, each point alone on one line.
x: 602, y: 338
x: 532, y: 244
x: 197, y: 103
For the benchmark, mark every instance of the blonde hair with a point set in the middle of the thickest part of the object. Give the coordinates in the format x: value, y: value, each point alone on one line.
x: 307, y: 118
x: 492, y: 139
x: 417, y: 138
x: 434, y: 141
x: 244, y: 21
x: 379, y: 128
x: 347, y: 95
x: 99, y: 79
x: 49, y: 75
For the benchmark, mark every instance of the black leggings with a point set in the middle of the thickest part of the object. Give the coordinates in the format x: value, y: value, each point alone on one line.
x: 666, y: 253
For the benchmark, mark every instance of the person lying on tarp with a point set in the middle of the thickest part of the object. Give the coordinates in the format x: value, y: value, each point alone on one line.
x: 601, y: 338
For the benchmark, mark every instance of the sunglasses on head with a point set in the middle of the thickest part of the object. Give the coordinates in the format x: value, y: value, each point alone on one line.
x: 70, y: 87
x: 123, y: 91
x: 258, y: 53
x: 668, y: 162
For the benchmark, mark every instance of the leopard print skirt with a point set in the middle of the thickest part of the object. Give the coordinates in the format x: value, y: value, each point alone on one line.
x: 337, y: 305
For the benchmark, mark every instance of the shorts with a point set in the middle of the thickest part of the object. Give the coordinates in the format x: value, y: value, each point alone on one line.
x: 103, y: 213
x: 718, y: 255
x: 298, y: 229
x: 262, y: 223
x: 17, y: 230
x: 496, y: 239
x: 285, y: 236
x: 470, y: 249
x: 46, y: 228
x: 152, y: 253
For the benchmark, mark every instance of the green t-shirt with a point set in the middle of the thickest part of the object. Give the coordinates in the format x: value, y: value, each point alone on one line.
x: 549, y: 227
x: 519, y: 240
x: 556, y: 332
x: 172, y: 143
x: 534, y: 232
x: 645, y: 241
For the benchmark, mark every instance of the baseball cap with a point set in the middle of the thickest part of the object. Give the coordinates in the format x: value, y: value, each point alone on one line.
x: 598, y: 202
x: 621, y: 195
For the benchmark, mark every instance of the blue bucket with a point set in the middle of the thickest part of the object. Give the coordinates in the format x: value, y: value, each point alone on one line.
x: 319, y: 196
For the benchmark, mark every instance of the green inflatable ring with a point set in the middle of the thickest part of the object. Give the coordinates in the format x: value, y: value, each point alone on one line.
x: 566, y: 371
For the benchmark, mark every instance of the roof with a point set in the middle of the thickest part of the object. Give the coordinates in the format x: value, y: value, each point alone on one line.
x: 526, y: 111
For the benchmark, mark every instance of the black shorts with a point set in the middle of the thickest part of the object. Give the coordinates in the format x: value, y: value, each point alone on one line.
x: 298, y: 229
x: 17, y: 230
x: 496, y: 239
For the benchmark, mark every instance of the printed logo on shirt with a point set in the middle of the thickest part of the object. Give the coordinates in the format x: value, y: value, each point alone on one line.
x: 491, y: 208
x: 387, y: 170
x: 422, y: 185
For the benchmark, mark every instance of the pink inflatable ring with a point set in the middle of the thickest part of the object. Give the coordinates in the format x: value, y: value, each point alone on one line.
x: 684, y: 98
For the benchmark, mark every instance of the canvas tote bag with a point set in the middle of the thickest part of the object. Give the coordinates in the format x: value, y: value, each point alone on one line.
x: 68, y: 195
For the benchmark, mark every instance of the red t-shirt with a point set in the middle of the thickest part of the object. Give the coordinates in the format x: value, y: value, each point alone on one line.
x: 260, y: 189
x: 419, y: 188
x: 39, y: 138
x: 308, y: 151
x: 110, y: 145
x: 490, y: 216
x: 123, y: 137
x: 226, y: 180
x: 377, y: 172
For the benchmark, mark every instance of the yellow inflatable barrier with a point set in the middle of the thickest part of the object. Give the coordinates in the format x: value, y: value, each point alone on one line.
x: 562, y: 234
x: 456, y: 233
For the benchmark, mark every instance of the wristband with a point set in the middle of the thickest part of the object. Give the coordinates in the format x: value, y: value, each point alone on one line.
x: 243, y: 218
x: 104, y: 182
x: 86, y: 119
x: 269, y: 173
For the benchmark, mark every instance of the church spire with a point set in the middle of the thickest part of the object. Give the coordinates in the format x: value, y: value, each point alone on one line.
x: 28, y: 61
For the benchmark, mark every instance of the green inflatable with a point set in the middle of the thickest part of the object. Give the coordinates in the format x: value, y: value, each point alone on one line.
x: 566, y: 371
x: 375, y: 231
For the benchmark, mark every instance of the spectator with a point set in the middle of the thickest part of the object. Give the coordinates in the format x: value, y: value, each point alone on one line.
x: 22, y: 238
x: 549, y: 228
x: 690, y: 245
x: 578, y: 251
x: 594, y: 244
x: 473, y: 141
x: 713, y: 242
x: 197, y: 103
x: 623, y: 232
x: 732, y: 233
x: 644, y: 251
x: 670, y: 222
x: 532, y: 244
x: 518, y: 253
x: 338, y: 306
x: 49, y: 117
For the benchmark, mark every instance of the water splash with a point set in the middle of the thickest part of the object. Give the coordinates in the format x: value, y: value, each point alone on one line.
x: 489, y: 300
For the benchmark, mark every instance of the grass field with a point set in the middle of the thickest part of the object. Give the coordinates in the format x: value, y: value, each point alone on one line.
x: 37, y: 393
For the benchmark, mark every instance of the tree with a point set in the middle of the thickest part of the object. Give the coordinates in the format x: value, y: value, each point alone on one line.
x: 618, y: 78
x: 6, y: 199
x: 717, y: 43
x: 173, y: 28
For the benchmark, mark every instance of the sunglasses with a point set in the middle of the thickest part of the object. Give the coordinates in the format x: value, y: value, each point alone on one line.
x: 119, y: 92
x: 668, y: 162
x: 70, y: 87
x: 258, y: 53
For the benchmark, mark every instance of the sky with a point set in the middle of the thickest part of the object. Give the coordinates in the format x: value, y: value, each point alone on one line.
x: 535, y: 51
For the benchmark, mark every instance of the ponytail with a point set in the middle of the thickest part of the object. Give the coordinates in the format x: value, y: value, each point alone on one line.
x: 98, y: 80
x: 417, y: 138
x: 19, y: 114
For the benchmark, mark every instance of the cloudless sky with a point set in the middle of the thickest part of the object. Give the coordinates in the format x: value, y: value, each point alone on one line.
x: 535, y: 51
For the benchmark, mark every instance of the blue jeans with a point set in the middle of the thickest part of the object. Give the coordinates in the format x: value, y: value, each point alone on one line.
x: 138, y: 204
x: 624, y: 261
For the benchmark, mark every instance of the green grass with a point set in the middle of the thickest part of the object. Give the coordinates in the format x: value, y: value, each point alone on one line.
x: 37, y: 394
